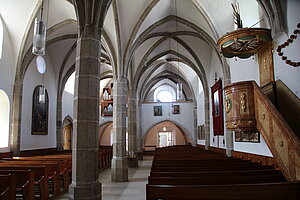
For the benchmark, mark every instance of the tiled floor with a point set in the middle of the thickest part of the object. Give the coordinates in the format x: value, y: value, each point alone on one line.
x: 134, y: 189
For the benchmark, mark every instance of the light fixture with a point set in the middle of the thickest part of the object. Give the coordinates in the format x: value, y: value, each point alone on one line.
x: 179, y: 94
x: 164, y: 128
x: 39, y: 35
x: 40, y: 64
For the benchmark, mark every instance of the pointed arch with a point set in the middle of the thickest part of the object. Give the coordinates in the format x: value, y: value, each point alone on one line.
x: 185, y: 133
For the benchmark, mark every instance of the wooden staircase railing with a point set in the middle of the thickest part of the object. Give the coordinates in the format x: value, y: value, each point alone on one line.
x: 281, y: 140
x: 247, y: 109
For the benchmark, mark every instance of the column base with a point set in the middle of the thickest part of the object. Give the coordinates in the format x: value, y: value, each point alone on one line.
x: 133, y: 163
x: 85, y: 192
x: 229, y: 152
x: 119, y: 170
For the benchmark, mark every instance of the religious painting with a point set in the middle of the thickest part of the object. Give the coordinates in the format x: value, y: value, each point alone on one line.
x: 237, y: 136
x: 157, y: 110
x: 40, y: 107
x: 176, y: 109
x: 253, y: 137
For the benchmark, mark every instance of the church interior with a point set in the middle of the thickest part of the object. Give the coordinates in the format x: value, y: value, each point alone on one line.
x: 149, y: 99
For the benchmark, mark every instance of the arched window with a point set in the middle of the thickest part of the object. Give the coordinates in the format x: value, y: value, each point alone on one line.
x: 1, y: 37
x: 40, y: 105
x: 164, y: 96
x: 4, y: 119
x: 164, y: 93
x: 69, y: 87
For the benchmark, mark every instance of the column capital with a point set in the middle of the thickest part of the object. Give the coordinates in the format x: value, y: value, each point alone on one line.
x: 92, y: 14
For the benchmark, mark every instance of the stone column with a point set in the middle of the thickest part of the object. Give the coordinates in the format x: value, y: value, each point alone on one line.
x: 119, y: 169
x: 195, y: 126
x: 16, y: 119
x: 132, y: 127
x: 59, y: 125
x: 229, y: 143
x: 139, y: 139
x: 85, y: 148
x: 207, y: 123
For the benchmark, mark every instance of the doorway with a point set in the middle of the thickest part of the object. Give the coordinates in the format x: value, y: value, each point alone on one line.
x: 67, y: 133
x: 165, y: 139
x: 165, y: 133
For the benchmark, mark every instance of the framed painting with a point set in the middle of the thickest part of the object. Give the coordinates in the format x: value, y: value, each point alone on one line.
x: 157, y: 110
x: 176, y: 109
x: 253, y: 137
x: 40, y: 107
x: 237, y: 136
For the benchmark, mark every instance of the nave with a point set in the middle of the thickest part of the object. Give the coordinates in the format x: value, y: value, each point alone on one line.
x: 136, y: 75
x: 134, y: 189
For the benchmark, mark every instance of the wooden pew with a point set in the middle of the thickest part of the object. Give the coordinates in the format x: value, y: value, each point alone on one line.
x: 215, y: 180
x: 67, y: 157
x: 217, y: 173
x: 24, y: 182
x: 8, y: 187
x: 210, y: 168
x: 53, y: 170
x: 40, y: 176
x: 63, y: 166
x: 269, y: 191
x: 194, y: 162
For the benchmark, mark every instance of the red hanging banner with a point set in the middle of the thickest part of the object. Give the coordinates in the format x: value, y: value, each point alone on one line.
x: 217, y: 108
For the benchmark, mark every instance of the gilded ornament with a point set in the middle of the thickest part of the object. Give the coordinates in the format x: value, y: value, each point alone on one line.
x: 228, y: 104
x: 243, y: 101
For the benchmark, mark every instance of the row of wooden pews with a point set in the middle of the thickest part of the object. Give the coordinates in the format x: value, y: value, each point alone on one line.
x: 41, y: 176
x: 190, y: 173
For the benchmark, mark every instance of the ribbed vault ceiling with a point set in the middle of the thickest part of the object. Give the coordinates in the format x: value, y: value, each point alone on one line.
x: 149, y: 41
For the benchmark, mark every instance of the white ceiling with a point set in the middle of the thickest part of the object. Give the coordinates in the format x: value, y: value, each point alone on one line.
x: 203, y: 22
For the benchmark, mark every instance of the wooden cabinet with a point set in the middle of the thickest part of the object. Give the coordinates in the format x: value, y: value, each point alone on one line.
x: 239, y: 106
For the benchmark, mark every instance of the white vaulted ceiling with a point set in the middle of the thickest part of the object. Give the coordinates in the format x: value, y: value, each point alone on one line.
x: 143, y: 39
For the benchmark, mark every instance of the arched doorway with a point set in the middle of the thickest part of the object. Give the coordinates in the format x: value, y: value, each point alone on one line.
x: 105, y: 136
x: 67, y: 133
x: 164, y: 134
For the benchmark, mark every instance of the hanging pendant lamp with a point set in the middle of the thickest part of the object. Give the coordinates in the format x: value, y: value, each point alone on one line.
x: 41, y: 64
x: 39, y: 36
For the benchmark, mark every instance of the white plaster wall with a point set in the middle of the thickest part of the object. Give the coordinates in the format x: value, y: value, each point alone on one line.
x: 67, y: 104
x: 286, y: 73
x: 185, y: 119
x: 31, y: 80
x: 7, y: 65
x: 244, y: 69
x: 7, y: 71
x: 254, y: 148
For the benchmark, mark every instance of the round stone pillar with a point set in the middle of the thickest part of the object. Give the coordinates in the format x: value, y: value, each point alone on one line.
x: 119, y: 169
x: 85, y: 148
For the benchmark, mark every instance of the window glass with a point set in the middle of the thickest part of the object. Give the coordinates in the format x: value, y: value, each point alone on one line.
x: 164, y: 96
x: 4, y: 119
